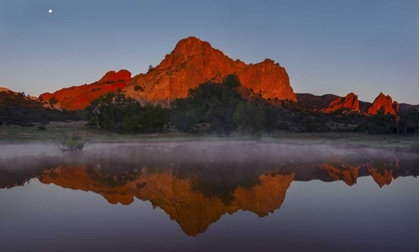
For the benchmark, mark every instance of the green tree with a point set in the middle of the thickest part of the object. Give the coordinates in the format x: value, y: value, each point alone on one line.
x: 184, y: 114
x: 108, y: 111
x: 250, y: 118
x: 271, y: 116
x: 217, y: 103
x: 210, y: 102
x: 408, y: 120
x: 148, y: 119
x: 53, y: 100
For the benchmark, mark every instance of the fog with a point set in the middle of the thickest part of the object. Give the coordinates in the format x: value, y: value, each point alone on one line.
x: 195, y: 155
x: 198, y: 151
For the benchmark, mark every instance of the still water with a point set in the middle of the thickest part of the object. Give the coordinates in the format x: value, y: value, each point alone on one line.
x: 216, y: 196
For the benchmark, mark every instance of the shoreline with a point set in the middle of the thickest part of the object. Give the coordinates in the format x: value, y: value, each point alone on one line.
x: 15, y: 135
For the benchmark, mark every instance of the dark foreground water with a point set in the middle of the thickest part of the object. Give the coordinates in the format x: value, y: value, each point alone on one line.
x: 210, y: 197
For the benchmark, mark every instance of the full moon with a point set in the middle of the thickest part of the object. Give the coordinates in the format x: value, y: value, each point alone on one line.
x: 49, y: 11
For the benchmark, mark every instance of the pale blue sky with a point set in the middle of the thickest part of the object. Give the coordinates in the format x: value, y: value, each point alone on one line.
x: 337, y: 47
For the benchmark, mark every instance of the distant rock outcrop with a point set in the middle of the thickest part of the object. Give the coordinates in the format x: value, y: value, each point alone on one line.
x: 79, y: 97
x: 315, y: 102
x: 350, y: 102
x: 385, y: 102
x: 3, y: 89
x: 112, y: 76
x: 193, y: 62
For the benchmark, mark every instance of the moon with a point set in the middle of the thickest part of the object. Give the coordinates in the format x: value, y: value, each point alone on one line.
x: 49, y: 11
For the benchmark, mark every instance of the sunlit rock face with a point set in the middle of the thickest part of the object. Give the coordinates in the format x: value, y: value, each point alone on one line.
x: 383, y: 101
x: 122, y: 75
x: 79, y: 97
x: 350, y: 102
x: 349, y: 174
x: 3, y: 89
x: 193, y: 62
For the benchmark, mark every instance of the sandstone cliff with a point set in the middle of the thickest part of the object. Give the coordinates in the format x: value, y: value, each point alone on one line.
x: 193, y: 62
x: 79, y: 97
x: 385, y: 102
x: 350, y: 102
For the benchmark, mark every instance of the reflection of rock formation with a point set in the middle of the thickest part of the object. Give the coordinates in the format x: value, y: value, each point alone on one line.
x: 77, y: 178
x: 381, y: 177
x: 193, y: 211
x: 196, y: 185
x: 349, y: 176
x: 263, y: 198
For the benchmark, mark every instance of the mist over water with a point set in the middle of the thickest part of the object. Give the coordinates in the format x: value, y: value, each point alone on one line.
x: 216, y: 192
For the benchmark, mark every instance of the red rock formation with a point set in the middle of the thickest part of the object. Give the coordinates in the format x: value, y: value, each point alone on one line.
x: 385, y: 102
x: 79, y: 97
x: 3, y: 89
x: 111, y: 76
x: 349, y: 102
x: 193, y: 62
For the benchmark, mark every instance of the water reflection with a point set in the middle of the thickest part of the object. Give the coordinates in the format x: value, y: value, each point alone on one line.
x: 195, y: 184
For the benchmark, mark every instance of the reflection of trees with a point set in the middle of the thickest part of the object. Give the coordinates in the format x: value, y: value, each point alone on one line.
x: 215, y: 169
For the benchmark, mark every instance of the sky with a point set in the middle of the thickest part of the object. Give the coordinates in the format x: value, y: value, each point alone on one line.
x: 327, y: 47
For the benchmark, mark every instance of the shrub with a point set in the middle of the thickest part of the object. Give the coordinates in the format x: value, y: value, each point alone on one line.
x: 53, y: 100
x: 41, y: 127
x: 71, y: 143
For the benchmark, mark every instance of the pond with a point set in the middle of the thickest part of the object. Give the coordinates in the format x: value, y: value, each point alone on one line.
x: 208, y: 196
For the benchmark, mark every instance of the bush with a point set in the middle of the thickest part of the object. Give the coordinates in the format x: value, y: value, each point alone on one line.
x: 41, y: 127
x: 53, y: 100
x: 71, y: 143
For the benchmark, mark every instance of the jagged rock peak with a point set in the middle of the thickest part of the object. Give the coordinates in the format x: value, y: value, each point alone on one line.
x: 122, y: 75
x: 194, y: 61
x: 351, y: 102
x: 385, y: 102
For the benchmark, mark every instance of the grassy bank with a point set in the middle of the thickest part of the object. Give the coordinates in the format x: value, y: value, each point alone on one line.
x: 55, y: 130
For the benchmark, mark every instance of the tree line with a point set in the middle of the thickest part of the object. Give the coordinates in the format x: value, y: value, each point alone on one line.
x: 218, y: 105
x: 220, y: 108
